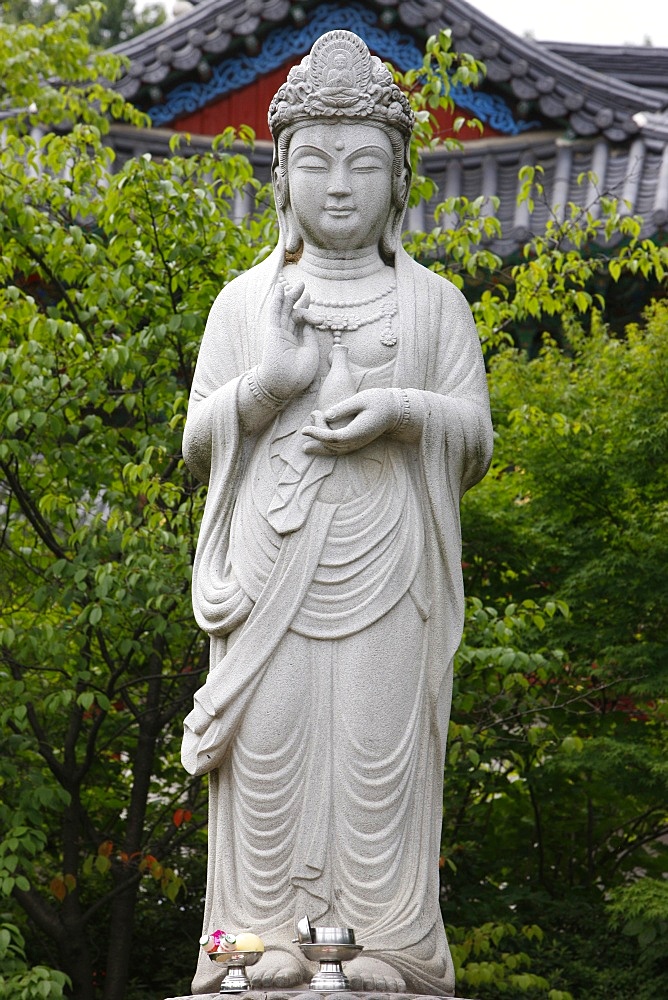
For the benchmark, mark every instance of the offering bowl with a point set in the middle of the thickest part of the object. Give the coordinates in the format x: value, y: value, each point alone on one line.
x: 236, y: 980
x: 330, y: 946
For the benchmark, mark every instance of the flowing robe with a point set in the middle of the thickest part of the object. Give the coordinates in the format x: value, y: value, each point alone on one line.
x: 333, y: 627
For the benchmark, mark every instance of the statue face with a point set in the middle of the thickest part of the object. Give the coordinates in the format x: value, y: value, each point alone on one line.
x: 340, y: 179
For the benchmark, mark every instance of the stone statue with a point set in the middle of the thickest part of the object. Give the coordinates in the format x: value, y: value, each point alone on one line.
x: 339, y: 411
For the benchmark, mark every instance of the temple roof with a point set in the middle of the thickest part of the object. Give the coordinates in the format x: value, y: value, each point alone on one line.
x: 575, y: 110
x: 570, y: 89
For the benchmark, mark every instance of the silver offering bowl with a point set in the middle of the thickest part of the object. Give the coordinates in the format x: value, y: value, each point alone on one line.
x: 330, y: 946
x: 236, y: 980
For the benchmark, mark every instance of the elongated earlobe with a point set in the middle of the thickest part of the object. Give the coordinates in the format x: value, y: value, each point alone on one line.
x: 293, y: 238
x: 391, y: 236
x: 280, y: 188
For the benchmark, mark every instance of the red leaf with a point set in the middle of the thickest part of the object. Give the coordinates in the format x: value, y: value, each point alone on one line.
x: 177, y: 818
x: 57, y: 887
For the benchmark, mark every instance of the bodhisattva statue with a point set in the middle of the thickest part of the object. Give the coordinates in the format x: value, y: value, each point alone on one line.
x: 339, y: 412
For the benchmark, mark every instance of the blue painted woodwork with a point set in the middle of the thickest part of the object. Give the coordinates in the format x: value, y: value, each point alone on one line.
x: 285, y: 43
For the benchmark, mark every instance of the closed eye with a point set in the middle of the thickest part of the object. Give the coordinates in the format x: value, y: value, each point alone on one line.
x: 311, y: 163
x: 367, y: 162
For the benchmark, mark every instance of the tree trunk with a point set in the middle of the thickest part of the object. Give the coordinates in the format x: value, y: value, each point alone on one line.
x: 121, y: 929
x: 69, y: 933
x: 121, y: 924
x: 77, y: 962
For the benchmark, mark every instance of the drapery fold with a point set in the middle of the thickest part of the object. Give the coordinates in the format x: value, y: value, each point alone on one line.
x: 355, y: 830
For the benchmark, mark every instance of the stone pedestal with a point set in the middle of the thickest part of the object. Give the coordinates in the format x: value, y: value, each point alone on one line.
x: 308, y: 995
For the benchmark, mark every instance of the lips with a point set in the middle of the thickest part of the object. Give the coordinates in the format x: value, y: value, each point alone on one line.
x: 339, y: 209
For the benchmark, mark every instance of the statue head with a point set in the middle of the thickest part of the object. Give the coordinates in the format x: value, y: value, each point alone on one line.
x: 342, y: 101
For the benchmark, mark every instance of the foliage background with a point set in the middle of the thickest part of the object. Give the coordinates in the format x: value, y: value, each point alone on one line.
x: 555, y: 817
x: 119, y: 21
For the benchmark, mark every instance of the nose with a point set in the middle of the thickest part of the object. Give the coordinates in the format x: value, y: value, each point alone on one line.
x: 339, y: 182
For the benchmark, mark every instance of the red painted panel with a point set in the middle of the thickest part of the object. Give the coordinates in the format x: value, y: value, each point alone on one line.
x: 446, y: 120
x: 249, y: 106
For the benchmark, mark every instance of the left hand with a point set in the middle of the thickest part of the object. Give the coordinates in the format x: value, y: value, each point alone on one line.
x: 373, y: 412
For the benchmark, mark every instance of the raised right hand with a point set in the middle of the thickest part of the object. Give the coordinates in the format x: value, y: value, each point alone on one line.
x: 291, y: 354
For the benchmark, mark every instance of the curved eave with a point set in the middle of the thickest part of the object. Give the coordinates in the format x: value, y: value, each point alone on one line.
x: 591, y: 103
x: 206, y: 33
x: 640, y: 65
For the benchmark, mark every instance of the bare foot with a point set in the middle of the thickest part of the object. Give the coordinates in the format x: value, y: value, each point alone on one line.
x: 367, y: 973
x: 278, y: 969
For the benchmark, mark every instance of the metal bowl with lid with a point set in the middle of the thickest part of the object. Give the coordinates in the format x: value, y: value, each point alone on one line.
x: 330, y: 946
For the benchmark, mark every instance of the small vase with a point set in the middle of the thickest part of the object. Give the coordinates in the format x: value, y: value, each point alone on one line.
x: 337, y: 385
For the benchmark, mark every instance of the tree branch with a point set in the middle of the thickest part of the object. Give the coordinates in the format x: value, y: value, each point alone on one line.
x: 32, y: 514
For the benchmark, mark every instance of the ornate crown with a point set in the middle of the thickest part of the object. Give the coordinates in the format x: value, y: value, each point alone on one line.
x: 340, y: 79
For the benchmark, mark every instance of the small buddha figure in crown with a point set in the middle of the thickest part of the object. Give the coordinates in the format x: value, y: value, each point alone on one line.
x: 340, y: 74
x: 338, y: 413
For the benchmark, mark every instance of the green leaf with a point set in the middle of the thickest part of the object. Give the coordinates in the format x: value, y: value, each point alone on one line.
x: 102, y: 864
x: 86, y: 699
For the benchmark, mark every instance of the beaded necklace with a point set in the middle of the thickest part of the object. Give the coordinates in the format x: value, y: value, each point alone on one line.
x: 337, y: 325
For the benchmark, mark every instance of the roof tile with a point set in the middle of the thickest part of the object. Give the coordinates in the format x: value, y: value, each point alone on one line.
x: 523, y: 88
x: 552, y: 107
x: 217, y: 42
